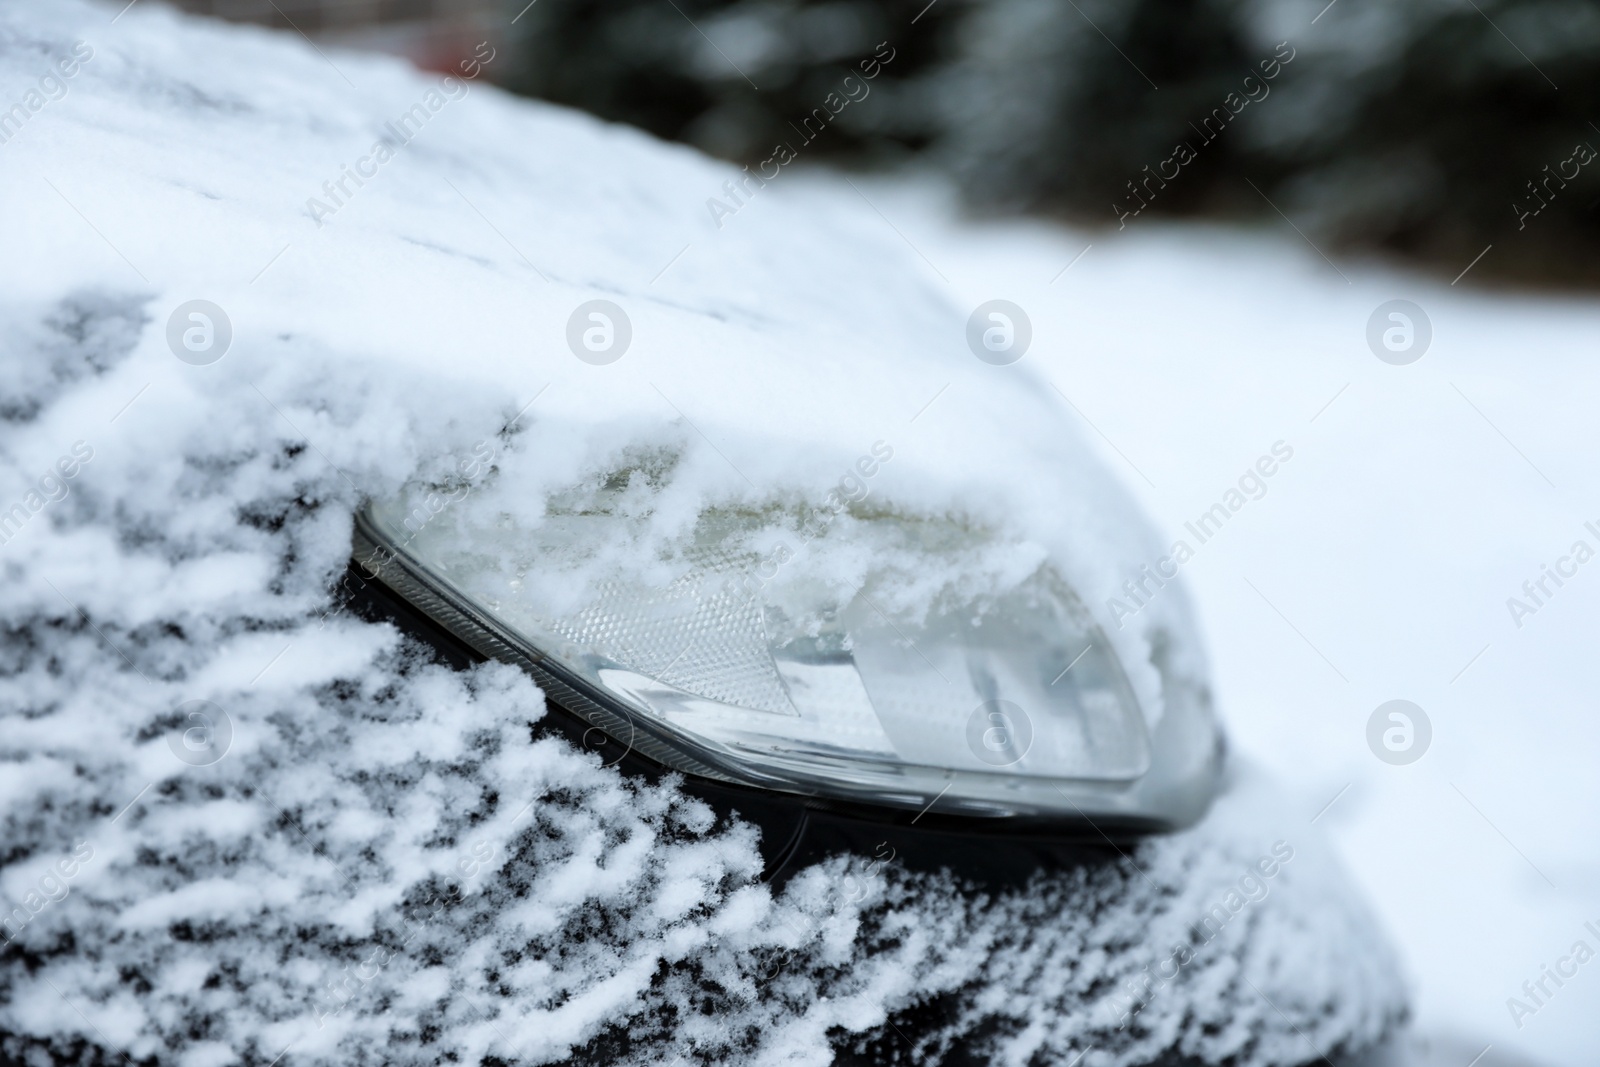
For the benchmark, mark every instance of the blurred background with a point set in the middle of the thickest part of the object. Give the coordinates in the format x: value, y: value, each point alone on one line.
x: 1428, y: 129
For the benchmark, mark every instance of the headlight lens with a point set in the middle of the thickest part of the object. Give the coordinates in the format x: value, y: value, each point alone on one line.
x: 1001, y: 705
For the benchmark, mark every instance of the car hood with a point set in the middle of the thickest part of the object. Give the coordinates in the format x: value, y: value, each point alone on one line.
x: 382, y: 863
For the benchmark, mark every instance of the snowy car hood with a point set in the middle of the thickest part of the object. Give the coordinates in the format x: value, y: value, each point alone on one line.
x: 385, y: 866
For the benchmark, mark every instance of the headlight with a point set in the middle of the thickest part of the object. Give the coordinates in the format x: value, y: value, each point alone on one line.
x: 751, y: 664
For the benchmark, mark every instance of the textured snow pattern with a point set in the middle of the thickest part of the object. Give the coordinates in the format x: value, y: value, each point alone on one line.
x: 385, y: 867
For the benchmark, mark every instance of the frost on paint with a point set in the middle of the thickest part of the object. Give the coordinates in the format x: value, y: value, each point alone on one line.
x: 363, y: 857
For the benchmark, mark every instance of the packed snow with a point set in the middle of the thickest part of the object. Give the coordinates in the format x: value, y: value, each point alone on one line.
x: 384, y: 865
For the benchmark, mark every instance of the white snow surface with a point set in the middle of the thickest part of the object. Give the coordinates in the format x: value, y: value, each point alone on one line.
x: 389, y: 827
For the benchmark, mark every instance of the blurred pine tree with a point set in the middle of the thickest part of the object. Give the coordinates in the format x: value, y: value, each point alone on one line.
x: 1431, y: 128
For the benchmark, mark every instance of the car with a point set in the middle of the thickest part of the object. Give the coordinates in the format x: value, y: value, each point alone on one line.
x: 504, y: 612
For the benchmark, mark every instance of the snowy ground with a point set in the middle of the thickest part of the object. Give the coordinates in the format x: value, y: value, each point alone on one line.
x: 1377, y: 565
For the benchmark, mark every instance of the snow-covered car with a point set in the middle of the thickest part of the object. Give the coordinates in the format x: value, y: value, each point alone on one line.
x: 468, y: 600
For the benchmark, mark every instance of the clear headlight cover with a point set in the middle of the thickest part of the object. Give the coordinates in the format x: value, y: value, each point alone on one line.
x: 1007, y: 705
